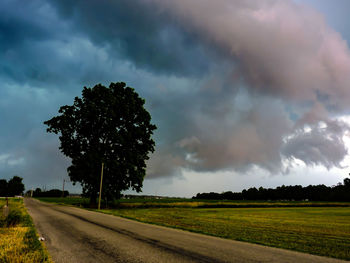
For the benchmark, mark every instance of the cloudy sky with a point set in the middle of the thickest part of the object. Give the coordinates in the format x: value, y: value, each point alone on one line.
x: 244, y: 93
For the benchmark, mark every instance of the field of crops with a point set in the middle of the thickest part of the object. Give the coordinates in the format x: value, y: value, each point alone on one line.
x: 321, y: 228
x: 191, y: 203
x: 18, y: 239
x: 321, y: 231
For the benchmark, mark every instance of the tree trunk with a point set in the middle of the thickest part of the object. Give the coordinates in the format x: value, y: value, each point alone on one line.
x: 93, y: 203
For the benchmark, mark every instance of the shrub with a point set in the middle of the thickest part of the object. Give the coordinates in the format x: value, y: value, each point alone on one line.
x: 14, y: 218
x: 31, y: 240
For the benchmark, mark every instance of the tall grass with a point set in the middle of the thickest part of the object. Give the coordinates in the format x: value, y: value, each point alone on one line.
x: 18, y: 238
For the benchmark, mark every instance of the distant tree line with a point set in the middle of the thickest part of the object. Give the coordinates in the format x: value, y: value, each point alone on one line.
x: 50, y: 193
x: 12, y: 187
x: 339, y: 192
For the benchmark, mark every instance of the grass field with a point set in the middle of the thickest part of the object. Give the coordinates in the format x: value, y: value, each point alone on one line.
x: 18, y: 238
x: 192, y: 203
x: 322, y: 230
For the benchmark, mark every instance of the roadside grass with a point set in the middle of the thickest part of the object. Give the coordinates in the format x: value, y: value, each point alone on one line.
x: 76, y: 201
x: 321, y: 228
x: 18, y: 238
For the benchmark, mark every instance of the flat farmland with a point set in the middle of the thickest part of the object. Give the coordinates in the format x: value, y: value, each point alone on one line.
x: 319, y: 228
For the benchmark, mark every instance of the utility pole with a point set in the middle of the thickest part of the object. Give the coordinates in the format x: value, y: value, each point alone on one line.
x: 63, y: 188
x: 99, y: 198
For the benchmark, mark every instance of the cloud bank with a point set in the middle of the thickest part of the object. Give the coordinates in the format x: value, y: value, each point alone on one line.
x: 231, y: 85
x: 285, y: 55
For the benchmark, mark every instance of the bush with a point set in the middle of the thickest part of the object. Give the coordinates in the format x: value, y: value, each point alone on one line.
x: 14, y: 218
x: 27, y: 220
x: 31, y: 240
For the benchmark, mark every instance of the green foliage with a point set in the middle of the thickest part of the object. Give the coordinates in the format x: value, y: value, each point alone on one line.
x: 339, y: 192
x: 14, y: 218
x: 13, y: 187
x: 3, y: 187
x: 31, y: 240
x: 83, y: 202
x: 17, y: 215
x: 50, y: 193
x: 108, y: 125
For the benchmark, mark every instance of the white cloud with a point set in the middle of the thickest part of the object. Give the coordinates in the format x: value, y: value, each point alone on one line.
x: 11, y: 160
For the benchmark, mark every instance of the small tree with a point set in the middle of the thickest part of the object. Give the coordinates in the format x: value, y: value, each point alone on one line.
x: 347, y: 182
x: 37, y: 192
x: 3, y: 187
x: 108, y: 125
x: 15, y: 186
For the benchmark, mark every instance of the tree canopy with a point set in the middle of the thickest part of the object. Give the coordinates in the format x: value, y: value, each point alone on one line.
x: 50, y: 193
x: 12, y: 187
x: 109, y: 125
x: 3, y: 187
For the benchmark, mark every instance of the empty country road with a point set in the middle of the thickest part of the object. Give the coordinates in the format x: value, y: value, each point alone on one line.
x: 77, y: 235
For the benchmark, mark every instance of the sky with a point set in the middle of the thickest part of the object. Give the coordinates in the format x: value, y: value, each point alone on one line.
x: 244, y: 93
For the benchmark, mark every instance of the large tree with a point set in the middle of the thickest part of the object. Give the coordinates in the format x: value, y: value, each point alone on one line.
x: 109, y: 125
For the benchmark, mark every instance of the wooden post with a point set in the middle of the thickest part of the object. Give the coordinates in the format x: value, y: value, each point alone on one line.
x: 5, y: 209
x: 99, y: 198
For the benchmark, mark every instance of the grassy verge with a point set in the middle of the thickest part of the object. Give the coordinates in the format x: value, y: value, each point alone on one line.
x: 18, y: 238
x: 322, y: 228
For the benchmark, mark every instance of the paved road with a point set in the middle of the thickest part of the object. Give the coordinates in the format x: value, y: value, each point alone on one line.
x: 77, y: 235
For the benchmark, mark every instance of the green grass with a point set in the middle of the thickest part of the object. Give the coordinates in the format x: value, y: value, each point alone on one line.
x: 67, y: 200
x: 321, y: 231
x: 18, y: 238
x: 192, y: 203
x: 321, y: 228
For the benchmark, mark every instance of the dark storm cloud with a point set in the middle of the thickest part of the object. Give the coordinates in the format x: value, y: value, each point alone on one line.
x: 19, y: 22
x: 138, y: 31
x: 284, y: 50
x: 217, y: 139
x: 67, y: 44
x: 30, y: 34
x: 281, y: 51
x: 221, y: 79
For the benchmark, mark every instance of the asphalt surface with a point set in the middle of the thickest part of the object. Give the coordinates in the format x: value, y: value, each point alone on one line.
x: 77, y: 235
